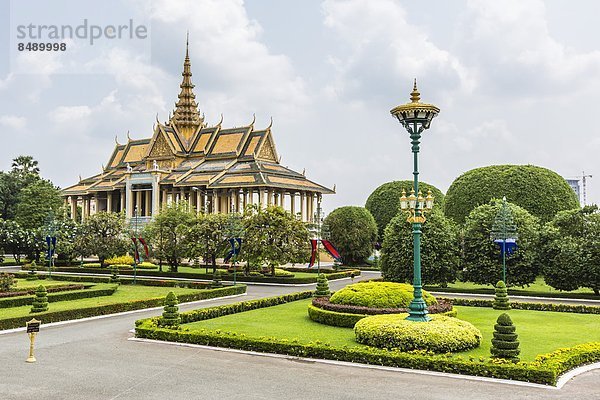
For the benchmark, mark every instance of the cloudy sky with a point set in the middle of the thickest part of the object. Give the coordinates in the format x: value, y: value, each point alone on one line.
x: 517, y: 81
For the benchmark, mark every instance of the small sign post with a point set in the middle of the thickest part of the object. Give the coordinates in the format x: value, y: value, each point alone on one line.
x: 33, y: 327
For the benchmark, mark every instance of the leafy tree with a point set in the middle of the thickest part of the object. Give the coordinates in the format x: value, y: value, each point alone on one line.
x: 102, y: 234
x: 9, y: 192
x: 273, y: 237
x: 25, y: 166
x: 439, y: 250
x: 570, y: 250
x: 208, y: 237
x: 35, y: 202
x: 67, y: 235
x: 14, y: 239
x: 480, y: 185
x: 169, y: 232
x: 353, y: 231
x: 482, y: 262
x: 384, y: 202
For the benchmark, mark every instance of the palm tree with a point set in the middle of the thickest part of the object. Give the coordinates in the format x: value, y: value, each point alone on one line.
x: 25, y: 165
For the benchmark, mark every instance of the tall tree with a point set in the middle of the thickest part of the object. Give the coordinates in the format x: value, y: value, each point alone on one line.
x: 169, y: 233
x: 208, y: 237
x: 36, y: 202
x: 273, y: 237
x: 103, y: 235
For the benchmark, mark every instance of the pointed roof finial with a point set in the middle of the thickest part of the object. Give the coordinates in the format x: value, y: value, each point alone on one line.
x: 415, y: 96
x: 117, y: 140
x: 186, y: 115
x: 270, y: 124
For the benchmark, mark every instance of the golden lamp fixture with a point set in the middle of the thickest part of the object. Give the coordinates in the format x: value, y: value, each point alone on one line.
x: 416, y: 205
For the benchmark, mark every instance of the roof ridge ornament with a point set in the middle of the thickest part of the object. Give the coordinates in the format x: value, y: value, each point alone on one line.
x: 128, y: 137
x: 270, y: 124
x: 117, y: 139
x: 415, y: 96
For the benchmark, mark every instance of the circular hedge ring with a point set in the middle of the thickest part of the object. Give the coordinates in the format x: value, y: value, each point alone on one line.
x: 378, y: 295
x: 440, y: 335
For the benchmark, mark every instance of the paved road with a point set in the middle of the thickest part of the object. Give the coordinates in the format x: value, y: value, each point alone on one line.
x: 94, y: 360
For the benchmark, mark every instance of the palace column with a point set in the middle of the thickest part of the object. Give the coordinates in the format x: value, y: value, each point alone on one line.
x: 123, y: 201
x: 245, y: 200
x: 310, y: 206
x: 128, y: 200
x: 293, y: 203
x: 148, y: 203
x: 138, y: 202
x: 73, y: 207
x: 109, y: 201
x: 302, y: 207
x: 215, y: 201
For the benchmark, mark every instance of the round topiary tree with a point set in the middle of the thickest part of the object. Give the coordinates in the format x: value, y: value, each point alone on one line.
x: 384, y: 202
x: 521, y: 184
x: 40, y: 303
x: 570, y: 250
x: 352, y: 230
x: 441, y: 335
x: 505, y: 344
x: 439, y: 252
x: 482, y: 260
x: 378, y: 295
x: 501, y: 297
x: 322, y: 286
x: 170, y: 316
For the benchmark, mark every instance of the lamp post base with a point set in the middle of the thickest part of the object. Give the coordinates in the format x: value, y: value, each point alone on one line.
x: 417, y: 311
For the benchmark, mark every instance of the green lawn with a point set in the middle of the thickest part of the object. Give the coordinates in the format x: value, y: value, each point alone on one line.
x: 25, y: 284
x: 124, y: 294
x: 539, y: 332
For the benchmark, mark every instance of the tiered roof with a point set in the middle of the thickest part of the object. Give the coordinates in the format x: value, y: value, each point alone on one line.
x: 189, y: 154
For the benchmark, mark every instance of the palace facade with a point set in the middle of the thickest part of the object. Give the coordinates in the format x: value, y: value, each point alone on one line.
x: 214, y: 169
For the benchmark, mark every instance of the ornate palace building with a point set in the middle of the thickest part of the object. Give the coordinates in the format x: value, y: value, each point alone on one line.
x: 215, y: 170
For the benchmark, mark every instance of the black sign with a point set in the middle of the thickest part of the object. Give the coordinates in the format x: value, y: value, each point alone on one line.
x: 33, y: 327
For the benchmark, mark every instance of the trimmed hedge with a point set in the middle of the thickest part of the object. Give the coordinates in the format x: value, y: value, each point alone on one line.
x: 569, y: 308
x: 440, y: 335
x: 378, y: 295
x: 544, y: 370
x: 55, y: 316
x: 540, y: 191
x: 384, y: 202
x: 441, y: 306
x: 60, y: 296
x: 32, y: 290
x: 345, y: 319
x: 240, y: 277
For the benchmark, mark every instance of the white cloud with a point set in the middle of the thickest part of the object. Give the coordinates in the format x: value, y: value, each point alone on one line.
x: 224, y: 40
x: 70, y: 114
x: 13, y: 122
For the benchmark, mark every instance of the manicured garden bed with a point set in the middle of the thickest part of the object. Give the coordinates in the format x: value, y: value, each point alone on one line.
x: 194, y: 273
x: 267, y: 325
x: 105, y: 299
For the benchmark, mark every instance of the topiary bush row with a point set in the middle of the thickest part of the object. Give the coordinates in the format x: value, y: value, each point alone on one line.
x: 52, y: 289
x: 570, y: 308
x: 440, y: 335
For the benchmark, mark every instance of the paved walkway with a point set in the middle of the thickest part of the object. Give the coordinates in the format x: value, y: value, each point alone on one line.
x: 94, y: 360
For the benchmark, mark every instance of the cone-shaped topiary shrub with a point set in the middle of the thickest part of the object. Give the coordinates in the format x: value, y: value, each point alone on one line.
x: 115, y: 274
x: 32, y: 275
x: 322, y: 286
x: 505, y: 344
x: 501, y: 298
x: 170, y: 315
x: 216, y: 283
x: 40, y: 303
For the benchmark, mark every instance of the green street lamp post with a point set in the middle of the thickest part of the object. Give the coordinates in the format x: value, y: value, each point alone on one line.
x: 415, y: 117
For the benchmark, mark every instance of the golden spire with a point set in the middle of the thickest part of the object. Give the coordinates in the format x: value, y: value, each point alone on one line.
x: 415, y: 96
x: 186, y: 115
